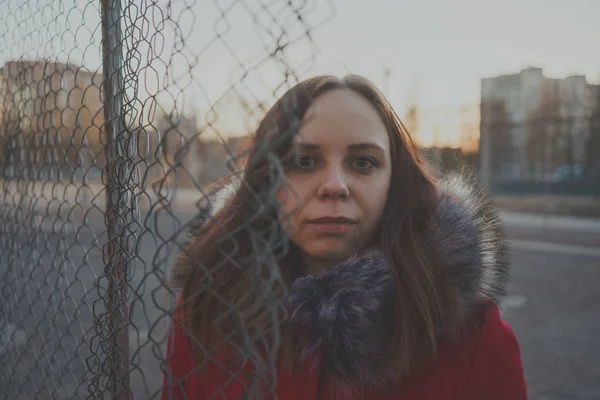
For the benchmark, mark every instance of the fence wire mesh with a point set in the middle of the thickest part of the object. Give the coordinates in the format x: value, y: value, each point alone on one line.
x: 114, y: 116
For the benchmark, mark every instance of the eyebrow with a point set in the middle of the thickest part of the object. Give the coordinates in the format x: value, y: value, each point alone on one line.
x: 352, y: 147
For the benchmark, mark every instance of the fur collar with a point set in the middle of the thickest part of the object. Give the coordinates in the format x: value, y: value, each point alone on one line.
x: 346, y: 311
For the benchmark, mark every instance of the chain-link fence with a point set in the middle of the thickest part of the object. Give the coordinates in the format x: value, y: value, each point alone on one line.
x: 114, y: 116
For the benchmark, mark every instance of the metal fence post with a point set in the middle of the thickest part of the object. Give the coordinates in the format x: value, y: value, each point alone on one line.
x: 117, y: 255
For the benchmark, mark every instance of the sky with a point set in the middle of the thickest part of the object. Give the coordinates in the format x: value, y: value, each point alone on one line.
x: 188, y: 55
x: 443, y: 48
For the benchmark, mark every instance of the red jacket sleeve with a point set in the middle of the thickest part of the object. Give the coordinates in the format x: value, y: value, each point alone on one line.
x: 178, y: 361
x: 497, y: 371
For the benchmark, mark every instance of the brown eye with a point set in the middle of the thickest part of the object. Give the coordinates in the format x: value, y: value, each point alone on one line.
x: 364, y: 164
x: 304, y: 163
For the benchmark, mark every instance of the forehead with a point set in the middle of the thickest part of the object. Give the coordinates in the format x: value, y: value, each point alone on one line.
x: 343, y: 117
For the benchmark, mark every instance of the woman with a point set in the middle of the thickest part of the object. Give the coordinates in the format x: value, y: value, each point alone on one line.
x: 394, y: 278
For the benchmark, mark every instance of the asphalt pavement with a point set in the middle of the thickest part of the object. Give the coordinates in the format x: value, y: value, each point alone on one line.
x: 54, y: 281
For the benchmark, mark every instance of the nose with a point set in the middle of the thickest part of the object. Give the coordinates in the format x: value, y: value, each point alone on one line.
x: 334, y: 185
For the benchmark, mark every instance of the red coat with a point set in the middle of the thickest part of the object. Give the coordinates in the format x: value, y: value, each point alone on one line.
x: 484, y: 365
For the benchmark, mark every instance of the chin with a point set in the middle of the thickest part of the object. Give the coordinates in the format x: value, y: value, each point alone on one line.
x: 330, y: 251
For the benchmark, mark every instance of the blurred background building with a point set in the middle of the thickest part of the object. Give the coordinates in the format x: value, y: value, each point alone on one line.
x: 51, y: 117
x: 539, y: 129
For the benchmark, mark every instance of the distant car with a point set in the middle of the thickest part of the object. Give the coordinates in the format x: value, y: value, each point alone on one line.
x: 565, y: 172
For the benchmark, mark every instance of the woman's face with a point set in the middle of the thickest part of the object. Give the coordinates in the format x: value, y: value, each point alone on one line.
x: 338, y: 180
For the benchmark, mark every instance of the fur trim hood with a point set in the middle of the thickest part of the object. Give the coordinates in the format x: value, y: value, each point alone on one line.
x: 346, y: 312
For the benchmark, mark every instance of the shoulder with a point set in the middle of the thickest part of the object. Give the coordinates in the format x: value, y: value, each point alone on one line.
x: 496, y: 370
x: 496, y: 333
x: 483, y: 362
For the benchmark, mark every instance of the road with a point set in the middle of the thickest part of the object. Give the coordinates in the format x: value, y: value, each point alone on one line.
x: 51, y: 303
x: 554, y: 304
x: 554, y: 309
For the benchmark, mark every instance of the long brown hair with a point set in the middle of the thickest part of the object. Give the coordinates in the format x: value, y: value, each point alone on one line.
x: 241, y: 263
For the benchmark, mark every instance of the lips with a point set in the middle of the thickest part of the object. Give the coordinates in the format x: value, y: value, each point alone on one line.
x: 332, y: 220
x: 332, y: 224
